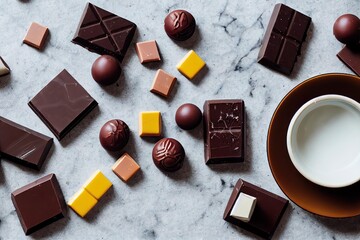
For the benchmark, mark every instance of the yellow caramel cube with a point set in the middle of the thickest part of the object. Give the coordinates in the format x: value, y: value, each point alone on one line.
x: 150, y: 124
x: 82, y: 202
x: 97, y: 184
x: 190, y: 65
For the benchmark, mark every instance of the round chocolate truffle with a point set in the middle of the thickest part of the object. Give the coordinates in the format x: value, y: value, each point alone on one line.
x: 168, y: 155
x: 188, y: 116
x: 114, y: 135
x: 347, y: 29
x: 179, y: 25
x: 106, y: 70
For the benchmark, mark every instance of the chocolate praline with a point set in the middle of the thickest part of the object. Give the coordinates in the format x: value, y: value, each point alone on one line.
x: 347, y: 29
x: 114, y: 135
x: 106, y: 70
x: 168, y: 155
x: 188, y: 116
x: 179, y: 25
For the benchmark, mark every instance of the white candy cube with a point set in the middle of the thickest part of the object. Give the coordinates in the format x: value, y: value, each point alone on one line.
x: 243, y: 207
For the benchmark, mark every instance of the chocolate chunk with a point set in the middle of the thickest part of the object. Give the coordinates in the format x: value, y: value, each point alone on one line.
x: 106, y: 70
x: 114, y: 135
x: 168, y: 155
x: 39, y: 203
x: 347, y: 29
x: 4, y: 68
x: 103, y: 32
x: 284, y: 36
x: 350, y: 56
x: 224, y: 131
x: 267, y: 214
x: 188, y: 116
x: 62, y: 104
x: 23, y: 145
x: 36, y: 36
x: 179, y: 25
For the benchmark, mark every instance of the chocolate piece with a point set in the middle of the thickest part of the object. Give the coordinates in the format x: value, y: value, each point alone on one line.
x: 106, y: 70
x: 179, y: 25
x: 125, y: 167
x: 284, y: 36
x: 4, y: 68
x: 103, y: 32
x: 114, y: 135
x: 267, y: 214
x: 350, y: 56
x: 347, y: 29
x: 62, y: 104
x: 36, y: 35
x: 39, y: 203
x: 168, y: 155
x: 147, y: 51
x: 23, y: 145
x: 224, y: 131
x: 163, y: 83
x: 188, y: 116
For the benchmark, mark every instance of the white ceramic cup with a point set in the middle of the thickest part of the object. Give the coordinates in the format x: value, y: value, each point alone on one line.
x: 323, y: 141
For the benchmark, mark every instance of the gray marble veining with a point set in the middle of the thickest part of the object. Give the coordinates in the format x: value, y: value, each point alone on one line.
x: 188, y: 204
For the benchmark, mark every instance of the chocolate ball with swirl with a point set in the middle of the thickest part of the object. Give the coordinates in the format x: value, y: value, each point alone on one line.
x: 114, y: 135
x: 179, y: 25
x: 168, y: 155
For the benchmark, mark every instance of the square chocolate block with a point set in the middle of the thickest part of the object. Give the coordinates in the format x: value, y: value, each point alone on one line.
x: 62, y: 104
x: 147, y: 51
x: 163, y: 83
x: 224, y: 131
x: 103, y: 32
x: 125, y: 167
x: 267, y: 213
x: 36, y: 35
x: 350, y: 56
x: 23, y: 145
x: 39, y: 203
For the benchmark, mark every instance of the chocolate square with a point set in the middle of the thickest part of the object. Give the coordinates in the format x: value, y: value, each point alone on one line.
x: 163, y: 83
x: 267, y: 214
x: 39, y: 203
x: 103, y: 32
x: 350, y: 56
x: 62, y: 104
x: 36, y: 35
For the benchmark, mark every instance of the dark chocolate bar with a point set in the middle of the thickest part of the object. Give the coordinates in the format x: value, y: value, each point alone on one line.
x: 62, y: 104
x: 39, y: 203
x: 283, y: 39
x: 350, y: 56
x: 267, y: 214
x: 23, y: 145
x: 104, y: 33
x: 224, y: 131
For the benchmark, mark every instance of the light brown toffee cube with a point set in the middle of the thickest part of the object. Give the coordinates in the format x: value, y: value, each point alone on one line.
x: 163, y: 83
x: 125, y: 167
x: 36, y: 35
x: 147, y: 51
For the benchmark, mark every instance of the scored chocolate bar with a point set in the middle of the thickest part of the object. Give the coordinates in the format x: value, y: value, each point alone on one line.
x: 283, y: 39
x: 103, y: 32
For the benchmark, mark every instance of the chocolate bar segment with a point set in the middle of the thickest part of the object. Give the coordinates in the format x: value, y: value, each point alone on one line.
x: 103, y: 32
x: 39, y: 203
x: 283, y: 39
x: 267, y: 213
x: 224, y: 131
x: 4, y: 68
x: 23, y: 145
x: 350, y: 56
x: 62, y: 104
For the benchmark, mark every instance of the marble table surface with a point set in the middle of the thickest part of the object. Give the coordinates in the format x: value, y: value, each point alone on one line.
x: 188, y: 204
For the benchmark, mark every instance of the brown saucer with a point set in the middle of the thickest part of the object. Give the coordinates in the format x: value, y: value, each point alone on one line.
x: 328, y: 202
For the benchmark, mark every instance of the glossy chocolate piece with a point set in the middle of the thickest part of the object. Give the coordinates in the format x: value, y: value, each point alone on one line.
x: 106, y: 70
x: 179, y: 25
x: 283, y: 39
x: 39, y: 203
x: 267, y: 214
x: 4, y: 68
x: 168, y: 155
x: 103, y: 32
x: 23, y: 145
x: 224, y: 131
x: 147, y: 51
x: 62, y: 104
x: 114, y: 135
x: 350, y: 56
x: 188, y: 116
x: 347, y: 29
